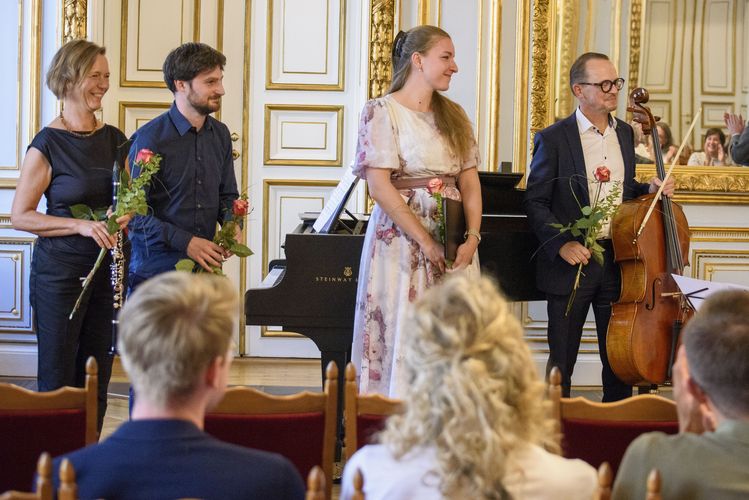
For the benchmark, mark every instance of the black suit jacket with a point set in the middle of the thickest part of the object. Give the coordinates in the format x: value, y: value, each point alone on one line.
x: 557, y: 170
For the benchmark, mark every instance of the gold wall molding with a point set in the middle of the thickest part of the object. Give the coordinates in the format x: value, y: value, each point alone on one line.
x: 125, y: 105
x: 569, y: 17
x: 74, y: 21
x: 704, y: 264
x: 381, y: 32
x: 712, y: 185
x: 541, y: 20
x: 304, y: 108
x: 522, y: 146
x: 302, y: 85
x: 35, y: 79
x: 244, y: 179
x: 492, y: 157
x: 719, y: 234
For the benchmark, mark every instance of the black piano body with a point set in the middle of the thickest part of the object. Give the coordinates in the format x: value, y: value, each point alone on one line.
x: 316, y: 295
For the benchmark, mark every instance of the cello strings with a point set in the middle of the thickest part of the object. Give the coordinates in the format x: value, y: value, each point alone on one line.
x: 658, y: 193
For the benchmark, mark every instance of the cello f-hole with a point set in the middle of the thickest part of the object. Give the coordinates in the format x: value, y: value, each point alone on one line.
x: 651, y: 305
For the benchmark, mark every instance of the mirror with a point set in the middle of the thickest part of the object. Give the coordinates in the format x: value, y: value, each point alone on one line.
x: 689, y: 54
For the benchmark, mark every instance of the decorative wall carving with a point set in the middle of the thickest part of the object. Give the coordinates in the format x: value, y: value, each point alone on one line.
x: 635, y: 28
x: 540, y: 56
x: 74, y: 19
x: 381, y: 28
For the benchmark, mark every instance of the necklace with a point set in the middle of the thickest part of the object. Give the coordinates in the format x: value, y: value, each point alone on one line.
x: 76, y: 133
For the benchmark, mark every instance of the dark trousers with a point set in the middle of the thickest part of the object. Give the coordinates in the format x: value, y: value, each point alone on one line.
x: 65, y: 345
x: 599, y: 287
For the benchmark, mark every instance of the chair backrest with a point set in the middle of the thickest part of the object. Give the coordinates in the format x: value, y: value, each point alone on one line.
x: 68, y: 489
x: 654, y: 485
x: 598, y: 432
x: 301, y: 427
x: 358, y: 486
x: 364, y: 414
x: 57, y: 422
x: 315, y: 484
x: 605, y: 480
x: 43, y: 482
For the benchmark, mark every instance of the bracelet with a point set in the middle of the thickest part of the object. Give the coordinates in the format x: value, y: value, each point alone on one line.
x: 472, y: 232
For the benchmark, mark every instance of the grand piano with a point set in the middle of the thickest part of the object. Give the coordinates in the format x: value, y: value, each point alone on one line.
x: 315, y: 293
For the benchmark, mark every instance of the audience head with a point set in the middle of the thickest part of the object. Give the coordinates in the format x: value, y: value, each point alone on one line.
x: 172, y: 330
x: 472, y: 387
x: 714, y: 140
x: 665, y: 137
x: 188, y: 61
x: 716, y: 340
x: 71, y: 64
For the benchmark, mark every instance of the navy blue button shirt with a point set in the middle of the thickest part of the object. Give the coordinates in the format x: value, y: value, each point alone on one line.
x: 193, y: 190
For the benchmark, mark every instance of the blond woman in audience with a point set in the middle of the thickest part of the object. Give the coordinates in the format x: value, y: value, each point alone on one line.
x: 476, y: 425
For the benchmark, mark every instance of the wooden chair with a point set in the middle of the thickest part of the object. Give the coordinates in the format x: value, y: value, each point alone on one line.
x: 68, y: 489
x: 358, y: 486
x: 43, y: 482
x: 605, y: 481
x: 315, y: 484
x: 301, y: 427
x: 364, y: 414
x: 598, y: 432
x: 654, y: 485
x: 57, y: 422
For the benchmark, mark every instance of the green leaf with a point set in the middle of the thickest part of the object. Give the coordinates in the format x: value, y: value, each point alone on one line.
x: 556, y: 225
x: 112, y: 226
x: 124, y: 178
x: 100, y: 213
x: 586, y: 210
x: 597, y: 248
x: 185, y: 265
x: 598, y: 257
x: 576, y: 232
x: 240, y: 250
x: 81, y: 211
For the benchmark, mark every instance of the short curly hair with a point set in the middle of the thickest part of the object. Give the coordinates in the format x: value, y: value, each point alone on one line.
x: 189, y: 60
x: 472, y: 388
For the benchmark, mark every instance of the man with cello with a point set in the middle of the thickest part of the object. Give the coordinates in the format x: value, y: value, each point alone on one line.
x: 561, y: 180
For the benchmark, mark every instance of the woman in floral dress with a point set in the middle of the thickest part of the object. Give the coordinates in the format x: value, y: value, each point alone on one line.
x: 413, y: 142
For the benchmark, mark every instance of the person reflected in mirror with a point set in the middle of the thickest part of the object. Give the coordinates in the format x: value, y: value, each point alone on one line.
x: 666, y: 138
x: 739, y: 144
x: 713, y: 150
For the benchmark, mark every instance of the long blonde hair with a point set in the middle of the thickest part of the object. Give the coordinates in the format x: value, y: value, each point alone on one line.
x: 449, y: 117
x: 472, y: 388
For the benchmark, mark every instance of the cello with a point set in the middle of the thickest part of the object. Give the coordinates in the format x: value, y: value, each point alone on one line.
x: 646, y: 321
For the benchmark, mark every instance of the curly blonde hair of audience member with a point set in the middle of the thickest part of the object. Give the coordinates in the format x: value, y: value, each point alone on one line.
x: 70, y: 65
x: 472, y: 388
x: 171, y: 329
x: 450, y: 119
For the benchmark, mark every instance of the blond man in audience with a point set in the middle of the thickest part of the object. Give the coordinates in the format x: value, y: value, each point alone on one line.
x: 709, y: 458
x: 476, y: 425
x: 175, y: 343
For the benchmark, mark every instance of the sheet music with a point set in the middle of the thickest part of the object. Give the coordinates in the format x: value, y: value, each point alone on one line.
x: 273, y: 277
x: 336, y: 202
x: 696, y: 291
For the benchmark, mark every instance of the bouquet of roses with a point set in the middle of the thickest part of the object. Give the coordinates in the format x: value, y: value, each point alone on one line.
x: 131, y: 198
x: 225, y: 238
x: 590, y: 224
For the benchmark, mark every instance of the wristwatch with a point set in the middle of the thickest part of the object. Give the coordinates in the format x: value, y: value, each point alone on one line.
x: 472, y: 232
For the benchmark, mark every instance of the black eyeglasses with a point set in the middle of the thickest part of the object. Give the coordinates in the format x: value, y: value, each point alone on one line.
x: 607, y: 85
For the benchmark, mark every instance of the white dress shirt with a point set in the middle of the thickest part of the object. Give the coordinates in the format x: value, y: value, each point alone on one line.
x: 601, y: 149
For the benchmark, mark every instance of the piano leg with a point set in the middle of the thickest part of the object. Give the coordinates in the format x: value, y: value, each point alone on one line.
x: 334, y: 345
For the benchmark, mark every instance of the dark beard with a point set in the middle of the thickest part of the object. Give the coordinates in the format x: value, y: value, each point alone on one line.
x: 204, y: 109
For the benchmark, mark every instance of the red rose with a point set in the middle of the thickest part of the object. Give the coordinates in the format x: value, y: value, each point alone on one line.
x: 435, y: 185
x: 144, y: 156
x: 602, y: 174
x: 240, y: 207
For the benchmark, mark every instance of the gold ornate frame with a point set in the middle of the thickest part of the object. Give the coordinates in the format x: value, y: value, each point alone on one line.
x: 700, y: 185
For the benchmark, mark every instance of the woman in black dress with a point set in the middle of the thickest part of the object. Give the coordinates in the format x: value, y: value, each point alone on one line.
x: 69, y: 162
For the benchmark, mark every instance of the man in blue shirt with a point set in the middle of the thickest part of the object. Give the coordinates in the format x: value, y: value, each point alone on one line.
x: 195, y: 186
x: 175, y: 342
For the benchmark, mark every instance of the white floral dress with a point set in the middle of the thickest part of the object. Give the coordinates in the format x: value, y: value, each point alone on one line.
x: 393, y: 271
